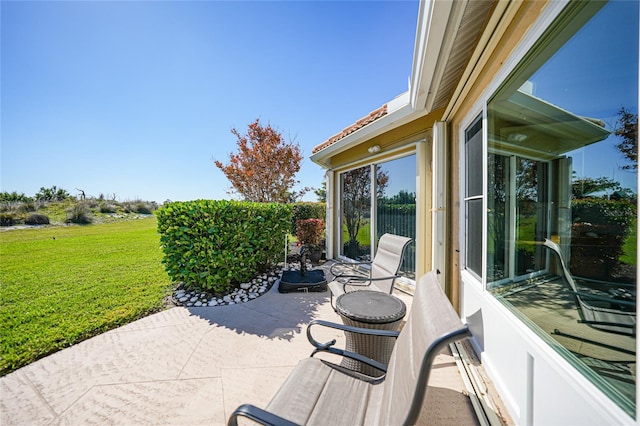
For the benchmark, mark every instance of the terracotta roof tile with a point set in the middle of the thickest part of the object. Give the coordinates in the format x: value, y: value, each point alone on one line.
x: 370, y: 118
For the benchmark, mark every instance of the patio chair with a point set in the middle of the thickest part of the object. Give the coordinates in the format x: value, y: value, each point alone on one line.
x: 599, y: 311
x: 383, y: 270
x: 319, y: 392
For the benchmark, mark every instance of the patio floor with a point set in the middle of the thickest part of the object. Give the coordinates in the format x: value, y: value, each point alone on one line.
x: 191, y: 366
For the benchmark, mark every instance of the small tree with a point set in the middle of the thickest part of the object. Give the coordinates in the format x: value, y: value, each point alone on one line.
x: 52, y: 194
x: 321, y: 192
x: 357, y: 199
x: 627, y: 130
x: 263, y: 170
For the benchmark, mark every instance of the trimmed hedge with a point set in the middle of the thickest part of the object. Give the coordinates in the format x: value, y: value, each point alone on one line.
x: 307, y: 210
x: 216, y: 245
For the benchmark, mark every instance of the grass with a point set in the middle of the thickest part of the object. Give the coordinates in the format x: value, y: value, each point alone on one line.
x: 630, y: 246
x: 364, y: 234
x: 62, y: 285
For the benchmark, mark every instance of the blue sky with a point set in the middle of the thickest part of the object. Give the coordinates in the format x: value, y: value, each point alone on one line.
x: 593, y: 75
x: 137, y: 98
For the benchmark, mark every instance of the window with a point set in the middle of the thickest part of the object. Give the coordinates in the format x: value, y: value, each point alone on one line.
x: 355, y: 205
x: 473, y: 197
x: 561, y: 192
x: 396, y: 206
x: 373, y: 207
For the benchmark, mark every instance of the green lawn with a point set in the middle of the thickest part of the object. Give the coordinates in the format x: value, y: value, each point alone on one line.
x: 61, y: 285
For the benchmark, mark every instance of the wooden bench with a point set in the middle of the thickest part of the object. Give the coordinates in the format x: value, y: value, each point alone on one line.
x: 318, y: 392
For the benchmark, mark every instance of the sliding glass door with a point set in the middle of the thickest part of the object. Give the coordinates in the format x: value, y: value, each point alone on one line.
x: 376, y: 199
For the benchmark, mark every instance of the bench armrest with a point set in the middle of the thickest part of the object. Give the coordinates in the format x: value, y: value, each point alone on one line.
x: 258, y: 415
x: 328, y: 346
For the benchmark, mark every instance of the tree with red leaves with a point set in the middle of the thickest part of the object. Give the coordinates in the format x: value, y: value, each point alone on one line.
x: 263, y: 170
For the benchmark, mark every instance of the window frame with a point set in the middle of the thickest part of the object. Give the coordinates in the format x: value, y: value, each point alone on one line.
x: 407, y: 150
x: 547, y: 18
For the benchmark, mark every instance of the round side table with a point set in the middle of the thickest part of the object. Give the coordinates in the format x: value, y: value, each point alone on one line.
x: 375, y: 310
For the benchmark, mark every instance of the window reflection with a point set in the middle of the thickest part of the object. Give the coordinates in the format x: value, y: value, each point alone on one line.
x: 562, y: 195
x: 356, y: 213
x: 396, y: 206
x: 394, y: 190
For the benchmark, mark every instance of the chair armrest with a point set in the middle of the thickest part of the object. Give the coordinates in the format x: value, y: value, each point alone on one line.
x: 363, y: 281
x: 355, y: 278
x: 258, y: 415
x: 345, y: 264
x: 328, y: 346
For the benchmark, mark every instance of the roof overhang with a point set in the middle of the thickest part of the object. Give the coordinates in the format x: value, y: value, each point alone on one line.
x: 399, y: 112
x: 435, y: 33
x: 446, y: 33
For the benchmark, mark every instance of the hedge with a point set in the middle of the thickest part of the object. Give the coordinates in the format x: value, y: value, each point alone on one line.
x: 216, y: 245
x: 307, y: 210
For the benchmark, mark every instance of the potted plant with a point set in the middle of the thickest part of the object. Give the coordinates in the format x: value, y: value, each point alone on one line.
x: 309, y: 233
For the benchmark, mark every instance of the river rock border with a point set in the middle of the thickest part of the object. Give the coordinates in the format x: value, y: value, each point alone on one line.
x: 247, y: 291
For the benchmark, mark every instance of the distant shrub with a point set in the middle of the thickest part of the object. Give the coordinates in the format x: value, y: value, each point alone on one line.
x: 7, y: 219
x: 14, y: 196
x: 144, y: 208
x: 139, y: 206
x: 37, y: 219
x: 216, y: 245
x: 108, y: 208
x: 18, y: 207
x: 79, y: 213
x: 52, y: 194
x: 92, y: 203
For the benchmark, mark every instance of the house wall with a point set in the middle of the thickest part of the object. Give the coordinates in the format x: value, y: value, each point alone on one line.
x: 534, y: 381
x: 519, y: 20
x: 413, y: 137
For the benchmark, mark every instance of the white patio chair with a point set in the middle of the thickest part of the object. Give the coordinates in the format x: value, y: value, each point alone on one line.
x: 383, y: 270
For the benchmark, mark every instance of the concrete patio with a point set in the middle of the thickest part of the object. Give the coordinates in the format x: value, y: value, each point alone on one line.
x: 189, y: 366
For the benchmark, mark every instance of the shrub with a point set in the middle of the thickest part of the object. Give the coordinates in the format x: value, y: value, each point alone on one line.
x: 309, y: 231
x: 140, y: 207
x: 598, y: 233
x: 7, y: 219
x: 14, y: 196
x: 144, y: 208
x: 216, y: 245
x: 307, y: 210
x: 37, y: 219
x: 79, y: 213
x: 108, y: 208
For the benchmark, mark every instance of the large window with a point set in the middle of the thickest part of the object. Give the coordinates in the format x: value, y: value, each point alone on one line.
x: 377, y: 199
x: 561, y: 192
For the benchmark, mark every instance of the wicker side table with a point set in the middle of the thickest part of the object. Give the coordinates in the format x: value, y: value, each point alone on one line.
x: 370, y: 309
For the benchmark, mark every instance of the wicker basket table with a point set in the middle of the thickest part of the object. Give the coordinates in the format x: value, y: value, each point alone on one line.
x: 370, y: 309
